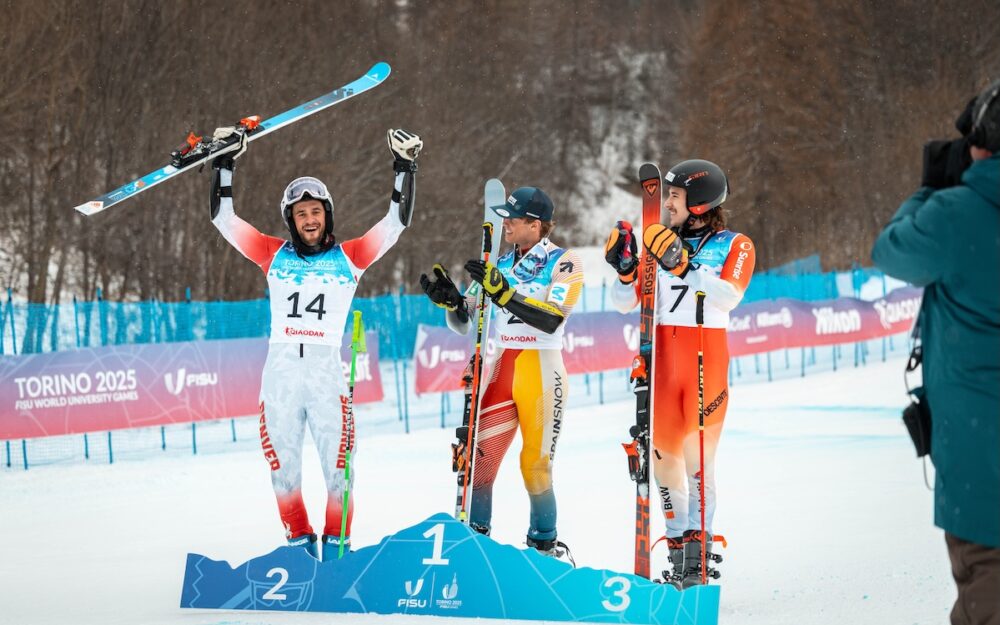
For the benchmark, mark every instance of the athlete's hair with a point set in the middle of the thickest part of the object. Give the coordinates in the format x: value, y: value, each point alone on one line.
x: 545, y: 228
x: 715, y: 218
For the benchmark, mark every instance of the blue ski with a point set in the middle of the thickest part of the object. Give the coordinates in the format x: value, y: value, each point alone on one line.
x: 196, y: 150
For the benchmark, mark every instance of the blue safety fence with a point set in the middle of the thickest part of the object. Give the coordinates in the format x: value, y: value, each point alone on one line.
x: 403, y: 411
x: 33, y: 328
x: 807, y: 265
x: 395, y: 317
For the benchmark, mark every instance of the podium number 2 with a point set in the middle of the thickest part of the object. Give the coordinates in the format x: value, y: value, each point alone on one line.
x: 437, y: 531
x: 621, y: 593
x: 273, y: 594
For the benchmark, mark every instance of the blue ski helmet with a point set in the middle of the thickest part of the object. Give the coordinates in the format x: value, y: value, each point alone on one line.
x: 526, y: 202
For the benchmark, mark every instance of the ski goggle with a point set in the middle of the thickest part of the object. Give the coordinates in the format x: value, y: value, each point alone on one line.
x: 299, y: 188
x: 531, y: 264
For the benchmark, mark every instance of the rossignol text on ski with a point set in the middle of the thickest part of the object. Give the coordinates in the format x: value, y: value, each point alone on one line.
x: 642, y: 372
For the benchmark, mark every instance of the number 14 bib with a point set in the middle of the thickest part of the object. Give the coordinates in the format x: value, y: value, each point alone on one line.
x: 310, y: 296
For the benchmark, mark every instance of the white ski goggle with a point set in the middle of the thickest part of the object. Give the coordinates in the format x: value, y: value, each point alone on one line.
x: 300, y: 188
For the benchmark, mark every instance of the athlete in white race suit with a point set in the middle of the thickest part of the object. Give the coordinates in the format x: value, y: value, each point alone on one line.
x: 312, y: 279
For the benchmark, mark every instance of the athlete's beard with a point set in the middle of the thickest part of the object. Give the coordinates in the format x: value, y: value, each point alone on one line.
x: 311, y: 250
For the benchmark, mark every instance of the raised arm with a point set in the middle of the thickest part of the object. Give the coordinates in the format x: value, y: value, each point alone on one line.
x: 259, y: 248
x: 370, y: 247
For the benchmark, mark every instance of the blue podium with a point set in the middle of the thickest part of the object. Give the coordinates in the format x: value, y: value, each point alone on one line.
x: 440, y: 567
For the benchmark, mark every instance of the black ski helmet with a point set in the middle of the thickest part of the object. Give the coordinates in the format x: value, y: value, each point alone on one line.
x: 300, y: 189
x: 985, y: 131
x: 705, y: 182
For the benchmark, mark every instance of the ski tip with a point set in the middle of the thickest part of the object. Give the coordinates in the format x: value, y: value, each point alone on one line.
x: 493, y: 185
x: 494, y: 193
x: 648, y: 171
x: 91, y: 207
x: 379, y: 72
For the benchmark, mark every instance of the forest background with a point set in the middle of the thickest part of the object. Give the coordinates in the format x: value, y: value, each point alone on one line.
x: 817, y: 110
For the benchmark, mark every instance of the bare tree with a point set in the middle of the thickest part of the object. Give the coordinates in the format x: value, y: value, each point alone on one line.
x: 816, y: 109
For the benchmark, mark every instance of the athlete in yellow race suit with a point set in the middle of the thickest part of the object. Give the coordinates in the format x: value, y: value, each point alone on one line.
x: 534, y: 288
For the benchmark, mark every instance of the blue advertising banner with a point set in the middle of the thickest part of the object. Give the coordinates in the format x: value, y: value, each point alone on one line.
x: 440, y: 567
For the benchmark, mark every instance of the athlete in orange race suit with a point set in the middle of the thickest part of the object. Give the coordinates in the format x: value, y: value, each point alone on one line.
x: 696, y: 253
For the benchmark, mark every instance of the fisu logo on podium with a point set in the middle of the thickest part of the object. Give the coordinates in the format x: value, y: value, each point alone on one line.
x: 413, y: 592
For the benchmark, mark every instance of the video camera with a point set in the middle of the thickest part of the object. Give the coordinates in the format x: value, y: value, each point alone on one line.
x: 945, y: 160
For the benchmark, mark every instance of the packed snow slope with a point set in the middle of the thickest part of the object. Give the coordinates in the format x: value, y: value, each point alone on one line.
x: 821, y: 499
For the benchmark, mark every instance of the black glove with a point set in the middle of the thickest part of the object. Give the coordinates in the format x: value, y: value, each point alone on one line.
x: 495, y: 285
x: 442, y: 291
x: 621, y: 251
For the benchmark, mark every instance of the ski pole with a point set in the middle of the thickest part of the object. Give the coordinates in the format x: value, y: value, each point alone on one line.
x: 476, y: 375
x: 357, y: 345
x: 699, y: 316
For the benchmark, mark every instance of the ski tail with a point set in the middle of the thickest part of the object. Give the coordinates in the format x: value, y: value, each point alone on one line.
x: 642, y: 372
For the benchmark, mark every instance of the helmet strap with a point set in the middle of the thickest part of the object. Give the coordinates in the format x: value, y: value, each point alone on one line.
x: 688, y: 229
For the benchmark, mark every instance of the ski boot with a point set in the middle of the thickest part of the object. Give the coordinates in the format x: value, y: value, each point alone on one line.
x: 692, y: 558
x: 307, y: 542
x: 331, y: 547
x: 675, y: 574
x: 552, y: 548
x: 480, y: 529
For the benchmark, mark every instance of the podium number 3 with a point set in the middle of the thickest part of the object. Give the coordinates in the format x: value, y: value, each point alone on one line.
x: 437, y: 531
x: 621, y: 594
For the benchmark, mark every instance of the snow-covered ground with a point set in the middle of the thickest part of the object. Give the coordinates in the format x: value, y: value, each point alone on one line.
x: 822, y: 502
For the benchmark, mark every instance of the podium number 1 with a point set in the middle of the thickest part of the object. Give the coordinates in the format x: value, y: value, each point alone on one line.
x: 437, y: 531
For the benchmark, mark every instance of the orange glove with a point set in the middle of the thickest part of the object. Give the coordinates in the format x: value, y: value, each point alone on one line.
x: 667, y: 248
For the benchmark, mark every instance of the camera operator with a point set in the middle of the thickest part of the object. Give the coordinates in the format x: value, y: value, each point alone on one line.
x: 946, y: 238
